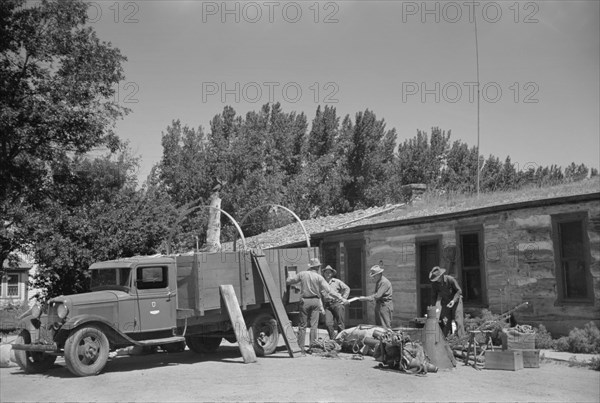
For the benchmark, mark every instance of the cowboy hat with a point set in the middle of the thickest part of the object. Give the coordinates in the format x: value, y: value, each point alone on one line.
x: 328, y: 267
x: 436, y: 273
x: 375, y: 270
x: 314, y: 262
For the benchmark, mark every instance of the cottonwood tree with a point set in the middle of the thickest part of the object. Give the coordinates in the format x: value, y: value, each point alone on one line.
x: 369, y: 146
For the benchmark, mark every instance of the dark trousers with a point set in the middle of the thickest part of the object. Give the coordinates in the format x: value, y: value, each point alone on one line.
x: 383, y: 314
x: 446, y: 316
x: 309, y: 312
x: 334, y: 313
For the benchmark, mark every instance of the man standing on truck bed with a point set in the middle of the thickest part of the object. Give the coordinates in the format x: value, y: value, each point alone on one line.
x: 313, y: 287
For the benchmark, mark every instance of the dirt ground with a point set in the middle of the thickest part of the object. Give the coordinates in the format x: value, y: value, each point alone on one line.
x: 223, y: 376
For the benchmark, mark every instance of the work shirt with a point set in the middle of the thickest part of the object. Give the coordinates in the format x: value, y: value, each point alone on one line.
x: 383, y: 291
x: 312, y: 284
x: 445, y: 290
x: 339, y: 287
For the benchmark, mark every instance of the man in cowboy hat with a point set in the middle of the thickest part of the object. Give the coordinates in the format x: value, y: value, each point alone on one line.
x: 384, y: 306
x: 334, y: 309
x: 446, y: 294
x: 313, y: 287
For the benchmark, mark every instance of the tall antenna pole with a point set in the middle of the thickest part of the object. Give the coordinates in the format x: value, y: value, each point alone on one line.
x: 478, y: 93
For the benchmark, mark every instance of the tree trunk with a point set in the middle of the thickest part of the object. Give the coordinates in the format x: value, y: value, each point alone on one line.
x: 213, y: 232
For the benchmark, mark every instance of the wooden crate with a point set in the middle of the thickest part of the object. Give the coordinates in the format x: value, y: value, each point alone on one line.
x: 531, y: 358
x: 521, y: 341
x: 510, y: 360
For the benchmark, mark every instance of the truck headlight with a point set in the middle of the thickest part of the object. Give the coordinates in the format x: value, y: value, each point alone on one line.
x: 62, y: 311
x: 36, y: 311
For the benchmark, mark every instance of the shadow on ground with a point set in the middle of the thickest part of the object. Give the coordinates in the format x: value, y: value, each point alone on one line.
x: 127, y: 363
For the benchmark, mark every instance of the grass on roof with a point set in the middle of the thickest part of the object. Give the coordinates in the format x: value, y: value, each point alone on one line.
x: 436, y: 203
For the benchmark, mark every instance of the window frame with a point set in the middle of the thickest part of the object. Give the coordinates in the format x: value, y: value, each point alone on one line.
x: 479, y: 230
x: 557, y: 219
x: 4, y: 286
x: 165, y: 278
x: 18, y: 285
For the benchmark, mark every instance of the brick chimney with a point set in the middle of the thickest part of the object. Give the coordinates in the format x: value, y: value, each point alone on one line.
x: 414, y: 192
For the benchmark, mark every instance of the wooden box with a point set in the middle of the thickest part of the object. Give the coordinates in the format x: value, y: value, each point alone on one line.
x: 531, y: 358
x: 521, y: 341
x: 510, y: 360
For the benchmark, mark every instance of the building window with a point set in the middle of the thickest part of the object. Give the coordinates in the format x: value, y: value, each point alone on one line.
x: 472, y: 271
x: 571, y: 253
x: 10, y: 286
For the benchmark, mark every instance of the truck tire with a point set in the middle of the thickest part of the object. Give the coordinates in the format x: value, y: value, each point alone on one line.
x: 203, y: 344
x: 32, y: 362
x: 264, y: 334
x: 86, y: 351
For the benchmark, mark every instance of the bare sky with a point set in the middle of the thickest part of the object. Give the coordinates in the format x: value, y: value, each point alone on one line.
x: 412, y: 62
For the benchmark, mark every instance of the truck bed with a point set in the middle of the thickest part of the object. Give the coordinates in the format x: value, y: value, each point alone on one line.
x: 200, y: 275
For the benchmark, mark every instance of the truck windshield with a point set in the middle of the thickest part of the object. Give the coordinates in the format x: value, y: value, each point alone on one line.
x: 117, y: 278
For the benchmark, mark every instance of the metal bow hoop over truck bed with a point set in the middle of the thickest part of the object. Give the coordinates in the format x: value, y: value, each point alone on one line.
x: 165, y: 301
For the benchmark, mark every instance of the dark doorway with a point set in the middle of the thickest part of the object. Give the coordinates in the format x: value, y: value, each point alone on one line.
x: 428, y: 256
x: 355, y: 280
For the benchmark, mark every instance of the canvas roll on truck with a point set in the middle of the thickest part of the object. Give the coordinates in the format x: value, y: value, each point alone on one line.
x: 162, y: 300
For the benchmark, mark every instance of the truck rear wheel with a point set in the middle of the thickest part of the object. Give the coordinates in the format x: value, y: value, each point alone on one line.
x: 32, y: 362
x: 264, y: 334
x: 86, y: 351
x: 203, y: 344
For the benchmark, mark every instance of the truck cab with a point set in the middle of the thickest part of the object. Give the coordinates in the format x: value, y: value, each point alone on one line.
x: 146, y: 291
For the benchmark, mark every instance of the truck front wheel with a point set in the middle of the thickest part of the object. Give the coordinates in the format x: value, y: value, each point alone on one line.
x: 264, y: 334
x: 30, y: 361
x: 86, y: 351
x: 203, y: 344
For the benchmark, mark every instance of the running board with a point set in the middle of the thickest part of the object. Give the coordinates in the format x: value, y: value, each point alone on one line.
x: 155, y: 342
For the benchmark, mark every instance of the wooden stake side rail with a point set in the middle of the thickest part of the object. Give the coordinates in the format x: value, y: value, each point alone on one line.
x: 283, y: 320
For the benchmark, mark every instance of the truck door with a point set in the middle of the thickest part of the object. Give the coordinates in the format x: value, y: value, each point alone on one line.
x: 156, y: 298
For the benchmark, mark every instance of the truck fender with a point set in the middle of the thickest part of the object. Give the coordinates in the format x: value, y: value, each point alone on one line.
x: 114, y: 335
x: 31, y: 324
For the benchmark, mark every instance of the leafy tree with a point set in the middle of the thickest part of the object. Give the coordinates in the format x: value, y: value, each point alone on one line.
x: 57, y: 87
x: 576, y: 172
x: 364, y: 158
x: 183, y: 166
x: 490, y: 174
x: 508, y: 177
x: 460, y: 172
x: 420, y: 160
x: 324, y: 132
x: 287, y: 132
x: 105, y: 219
